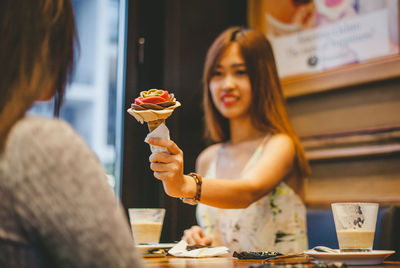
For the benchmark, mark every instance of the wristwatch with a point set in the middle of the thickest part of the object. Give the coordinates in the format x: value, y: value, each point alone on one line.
x: 193, y: 201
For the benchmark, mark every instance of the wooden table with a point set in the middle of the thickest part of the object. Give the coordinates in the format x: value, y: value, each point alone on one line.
x: 221, y: 262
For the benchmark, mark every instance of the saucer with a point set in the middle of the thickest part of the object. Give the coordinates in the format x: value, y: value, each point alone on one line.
x: 154, y: 249
x: 352, y: 258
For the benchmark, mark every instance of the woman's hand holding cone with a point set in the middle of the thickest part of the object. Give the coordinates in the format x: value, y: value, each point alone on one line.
x: 168, y: 167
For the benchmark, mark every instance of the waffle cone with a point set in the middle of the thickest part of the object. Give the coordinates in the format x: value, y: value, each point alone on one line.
x: 152, y: 125
x: 149, y: 116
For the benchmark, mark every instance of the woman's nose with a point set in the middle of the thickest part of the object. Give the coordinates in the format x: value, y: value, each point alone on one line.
x: 229, y: 83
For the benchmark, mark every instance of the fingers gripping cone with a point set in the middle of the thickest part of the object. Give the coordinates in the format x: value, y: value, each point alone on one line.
x: 152, y: 125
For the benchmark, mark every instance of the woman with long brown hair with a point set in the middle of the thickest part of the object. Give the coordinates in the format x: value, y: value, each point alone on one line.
x: 249, y: 182
x: 56, y: 208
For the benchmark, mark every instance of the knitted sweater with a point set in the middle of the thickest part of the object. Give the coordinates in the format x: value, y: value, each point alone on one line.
x: 56, y: 208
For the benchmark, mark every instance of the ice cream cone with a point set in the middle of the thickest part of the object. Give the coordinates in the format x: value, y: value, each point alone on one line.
x: 154, y: 106
x: 152, y: 125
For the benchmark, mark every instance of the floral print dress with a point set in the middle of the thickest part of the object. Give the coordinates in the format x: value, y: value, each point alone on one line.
x: 276, y: 222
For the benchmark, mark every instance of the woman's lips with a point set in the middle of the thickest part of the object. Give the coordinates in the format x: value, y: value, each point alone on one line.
x: 229, y: 99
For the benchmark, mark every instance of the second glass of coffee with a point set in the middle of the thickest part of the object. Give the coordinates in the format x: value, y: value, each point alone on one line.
x: 355, y: 225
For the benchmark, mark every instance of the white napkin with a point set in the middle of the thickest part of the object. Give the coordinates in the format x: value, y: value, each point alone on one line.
x: 179, y: 250
x: 160, y: 132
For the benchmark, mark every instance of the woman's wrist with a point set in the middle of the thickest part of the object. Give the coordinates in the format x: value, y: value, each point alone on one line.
x: 193, y: 190
x: 189, y: 190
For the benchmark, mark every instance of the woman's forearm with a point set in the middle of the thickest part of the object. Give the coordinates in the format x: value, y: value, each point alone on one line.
x: 231, y: 193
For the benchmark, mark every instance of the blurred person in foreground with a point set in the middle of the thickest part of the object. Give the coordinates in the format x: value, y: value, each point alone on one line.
x: 249, y: 182
x: 56, y: 208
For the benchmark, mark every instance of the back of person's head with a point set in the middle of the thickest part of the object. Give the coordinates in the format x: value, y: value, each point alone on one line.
x: 268, y: 108
x: 36, y: 52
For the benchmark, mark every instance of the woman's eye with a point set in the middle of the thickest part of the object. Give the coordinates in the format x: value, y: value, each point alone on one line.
x: 216, y: 73
x: 241, y: 72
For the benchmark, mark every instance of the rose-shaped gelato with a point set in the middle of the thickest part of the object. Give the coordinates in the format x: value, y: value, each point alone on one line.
x: 153, y: 106
x: 155, y: 99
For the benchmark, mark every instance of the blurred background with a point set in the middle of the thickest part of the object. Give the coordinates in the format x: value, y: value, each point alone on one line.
x: 347, y: 115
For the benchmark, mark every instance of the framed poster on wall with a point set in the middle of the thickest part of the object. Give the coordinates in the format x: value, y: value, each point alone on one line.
x: 326, y: 44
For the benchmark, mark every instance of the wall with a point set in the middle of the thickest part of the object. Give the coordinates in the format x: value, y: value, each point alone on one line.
x: 366, y: 117
x: 348, y: 119
x: 191, y: 26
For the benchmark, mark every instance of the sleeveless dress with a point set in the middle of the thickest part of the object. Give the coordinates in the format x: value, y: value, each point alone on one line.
x: 276, y: 222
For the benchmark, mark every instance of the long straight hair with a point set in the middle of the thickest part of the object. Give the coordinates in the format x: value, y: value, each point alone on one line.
x: 268, y: 107
x: 36, y: 51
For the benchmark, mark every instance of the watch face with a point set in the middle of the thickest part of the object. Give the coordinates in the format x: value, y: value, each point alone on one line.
x: 189, y: 201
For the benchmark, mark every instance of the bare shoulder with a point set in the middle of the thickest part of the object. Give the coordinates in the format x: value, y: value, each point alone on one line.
x: 205, y: 158
x: 278, y: 155
x: 282, y: 142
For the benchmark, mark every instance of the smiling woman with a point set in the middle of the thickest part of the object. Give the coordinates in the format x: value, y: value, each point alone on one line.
x: 251, y: 179
x: 230, y: 85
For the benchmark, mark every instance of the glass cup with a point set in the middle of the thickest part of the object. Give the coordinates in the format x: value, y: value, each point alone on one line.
x: 146, y: 224
x: 355, y: 225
